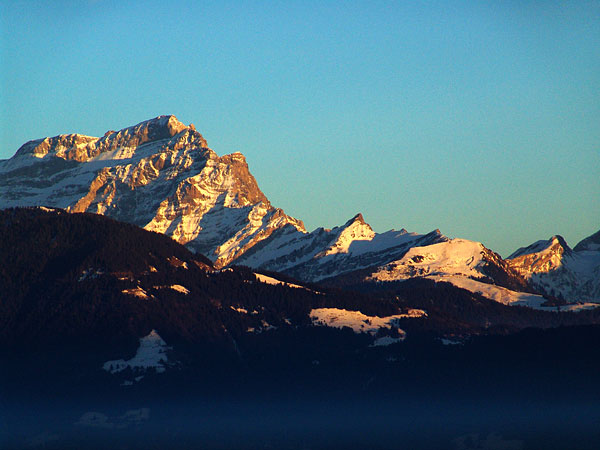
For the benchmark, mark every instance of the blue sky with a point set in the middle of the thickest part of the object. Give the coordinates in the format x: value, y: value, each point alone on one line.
x: 481, y: 119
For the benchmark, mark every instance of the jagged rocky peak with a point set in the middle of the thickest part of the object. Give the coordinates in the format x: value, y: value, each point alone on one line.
x: 437, y: 233
x: 81, y: 148
x: 356, y: 229
x: 553, y: 268
x: 357, y: 218
x: 161, y: 127
x: 158, y: 174
x: 540, y: 257
x: 235, y: 156
x: 556, y: 245
x: 558, y: 240
x: 590, y: 243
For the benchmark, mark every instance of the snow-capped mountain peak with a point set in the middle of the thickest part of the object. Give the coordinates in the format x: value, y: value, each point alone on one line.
x: 541, y: 256
x: 326, y: 253
x: 554, y: 269
x: 158, y: 174
x: 554, y: 248
x: 356, y: 229
x: 465, y: 264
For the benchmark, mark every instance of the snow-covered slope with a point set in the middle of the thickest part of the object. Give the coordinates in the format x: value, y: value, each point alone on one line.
x: 466, y: 264
x: 455, y: 257
x: 557, y: 270
x: 357, y: 321
x: 159, y: 174
x: 355, y: 252
x: 327, y: 253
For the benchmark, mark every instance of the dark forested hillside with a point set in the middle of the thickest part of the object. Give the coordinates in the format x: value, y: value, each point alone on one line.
x: 78, y: 290
x: 76, y: 280
x: 67, y: 277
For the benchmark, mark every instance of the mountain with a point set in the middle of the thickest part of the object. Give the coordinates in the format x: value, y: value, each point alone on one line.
x: 354, y: 256
x: 158, y: 174
x: 555, y: 269
x: 465, y: 264
x: 590, y: 243
x: 327, y: 253
x: 161, y: 175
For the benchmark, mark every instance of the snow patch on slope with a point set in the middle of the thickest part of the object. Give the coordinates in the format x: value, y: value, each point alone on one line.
x: 175, y: 287
x: 274, y: 281
x: 381, y: 242
x: 151, y: 354
x: 388, y: 340
x: 136, y: 292
x: 359, y: 322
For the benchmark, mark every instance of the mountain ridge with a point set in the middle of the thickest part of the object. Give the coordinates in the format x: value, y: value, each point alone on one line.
x: 161, y: 127
x: 161, y: 175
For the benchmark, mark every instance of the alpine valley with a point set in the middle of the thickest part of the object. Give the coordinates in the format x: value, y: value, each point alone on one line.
x: 152, y: 297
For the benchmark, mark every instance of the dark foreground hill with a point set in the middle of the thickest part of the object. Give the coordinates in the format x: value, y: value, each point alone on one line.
x: 116, y: 337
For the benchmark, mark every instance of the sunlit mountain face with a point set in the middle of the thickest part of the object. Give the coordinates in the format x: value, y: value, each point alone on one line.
x: 152, y: 297
x: 161, y: 175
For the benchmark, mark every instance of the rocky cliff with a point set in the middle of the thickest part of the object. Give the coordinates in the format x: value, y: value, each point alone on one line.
x: 158, y: 174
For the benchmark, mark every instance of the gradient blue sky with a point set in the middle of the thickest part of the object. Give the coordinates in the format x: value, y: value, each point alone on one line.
x: 478, y: 118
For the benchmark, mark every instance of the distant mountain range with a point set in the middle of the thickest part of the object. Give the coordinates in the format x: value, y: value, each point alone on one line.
x: 161, y: 175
